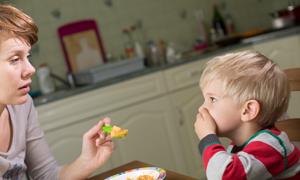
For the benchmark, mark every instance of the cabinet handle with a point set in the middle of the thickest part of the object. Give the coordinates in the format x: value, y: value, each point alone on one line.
x: 180, y: 115
x: 196, y: 73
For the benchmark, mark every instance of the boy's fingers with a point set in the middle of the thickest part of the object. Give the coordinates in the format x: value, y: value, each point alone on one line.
x: 205, y: 114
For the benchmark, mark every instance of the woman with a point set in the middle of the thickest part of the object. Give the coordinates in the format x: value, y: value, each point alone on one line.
x: 22, y: 144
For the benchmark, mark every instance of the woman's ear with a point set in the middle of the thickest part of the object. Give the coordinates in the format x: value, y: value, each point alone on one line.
x: 250, y: 110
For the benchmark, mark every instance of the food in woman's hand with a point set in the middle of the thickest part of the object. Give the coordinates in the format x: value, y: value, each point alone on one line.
x: 118, y: 132
x: 115, y: 131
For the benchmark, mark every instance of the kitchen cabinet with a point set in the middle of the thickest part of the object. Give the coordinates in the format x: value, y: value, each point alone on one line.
x: 154, y: 135
x: 185, y: 95
x: 140, y: 104
x: 64, y: 121
x: 286, y: 53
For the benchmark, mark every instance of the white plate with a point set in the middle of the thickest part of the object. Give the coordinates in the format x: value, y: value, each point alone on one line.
x: 155, y: 172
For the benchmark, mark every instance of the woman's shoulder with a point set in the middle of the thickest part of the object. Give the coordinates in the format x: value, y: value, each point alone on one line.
x: 22, y: 108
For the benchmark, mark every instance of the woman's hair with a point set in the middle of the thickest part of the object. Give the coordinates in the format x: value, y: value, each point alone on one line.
x: 249, y: 75
x: 14, y: 22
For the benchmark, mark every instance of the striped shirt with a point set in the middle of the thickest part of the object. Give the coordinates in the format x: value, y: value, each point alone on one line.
x: 268, y: 154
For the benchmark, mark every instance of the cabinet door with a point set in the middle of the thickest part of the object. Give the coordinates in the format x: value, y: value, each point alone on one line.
x: 286, y: 53
x: 65, y: 142
x: 187, y: 102
x: 154, y: 135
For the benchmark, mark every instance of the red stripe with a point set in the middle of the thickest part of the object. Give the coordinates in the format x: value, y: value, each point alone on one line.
x: 210, y: 151
x: 270, y: 157
x: 235, y: 170
x: 293, y: 157
x: 275, y: 131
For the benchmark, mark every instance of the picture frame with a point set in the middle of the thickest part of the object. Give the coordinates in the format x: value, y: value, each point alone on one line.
x: 82, y: 45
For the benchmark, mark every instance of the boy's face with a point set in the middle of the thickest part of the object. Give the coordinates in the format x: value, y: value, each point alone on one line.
x: 15, y: 71
x: 223, y: 109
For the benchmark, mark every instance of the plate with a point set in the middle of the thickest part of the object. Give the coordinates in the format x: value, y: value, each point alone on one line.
x: 155, y: 172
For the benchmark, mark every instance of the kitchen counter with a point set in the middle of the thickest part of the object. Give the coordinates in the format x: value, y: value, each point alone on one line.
x: 195, y: 56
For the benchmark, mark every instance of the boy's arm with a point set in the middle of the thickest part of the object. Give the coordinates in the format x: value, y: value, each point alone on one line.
x: 217, y: 162
x: 258, y: 160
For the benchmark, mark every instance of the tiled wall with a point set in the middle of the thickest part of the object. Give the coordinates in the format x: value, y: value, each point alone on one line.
x: 169, y: 20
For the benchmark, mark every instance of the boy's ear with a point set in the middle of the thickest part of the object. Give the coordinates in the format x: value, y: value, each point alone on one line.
x: 250, y: 110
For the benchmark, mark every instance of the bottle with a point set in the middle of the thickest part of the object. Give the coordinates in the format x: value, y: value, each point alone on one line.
x: 202, y: 26
x: 45, y: 81
x: 170, y: 54
x: 139, y: 50
x: 218, y: 23
x: 153, y: 54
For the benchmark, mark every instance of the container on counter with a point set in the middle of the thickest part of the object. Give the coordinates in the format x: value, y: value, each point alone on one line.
x: 44, y: 78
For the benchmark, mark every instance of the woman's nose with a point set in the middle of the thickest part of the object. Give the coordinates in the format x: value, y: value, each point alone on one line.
x: 29, y: 70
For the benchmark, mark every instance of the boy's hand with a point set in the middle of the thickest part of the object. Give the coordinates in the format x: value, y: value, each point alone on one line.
x: 205, y: 124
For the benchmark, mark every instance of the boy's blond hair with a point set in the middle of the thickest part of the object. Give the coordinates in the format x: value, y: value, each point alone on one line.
x: 14, y: 22
x: 249, y: 75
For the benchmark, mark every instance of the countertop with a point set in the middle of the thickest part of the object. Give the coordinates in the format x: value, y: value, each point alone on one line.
x: 210, y: 52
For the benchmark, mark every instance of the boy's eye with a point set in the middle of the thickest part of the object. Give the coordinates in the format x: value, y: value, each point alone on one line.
x: 212, y: 99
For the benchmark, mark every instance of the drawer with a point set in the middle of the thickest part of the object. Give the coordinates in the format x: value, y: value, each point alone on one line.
x: 184, y: 75
x: 100, y: 101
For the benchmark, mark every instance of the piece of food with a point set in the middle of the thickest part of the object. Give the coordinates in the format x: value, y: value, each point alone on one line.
x: 142, y: 177
x: 115, y: 131
x: 145, y: 177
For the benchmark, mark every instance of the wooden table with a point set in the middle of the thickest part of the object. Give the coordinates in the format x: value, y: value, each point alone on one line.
x: 137, y: 164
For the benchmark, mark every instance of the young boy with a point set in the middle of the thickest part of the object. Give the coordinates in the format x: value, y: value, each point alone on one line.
x: 244, y: 94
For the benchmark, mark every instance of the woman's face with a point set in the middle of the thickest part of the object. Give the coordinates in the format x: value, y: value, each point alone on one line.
x: 15, y: 71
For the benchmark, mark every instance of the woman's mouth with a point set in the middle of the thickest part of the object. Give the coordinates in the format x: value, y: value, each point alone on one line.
x: 25, y: 89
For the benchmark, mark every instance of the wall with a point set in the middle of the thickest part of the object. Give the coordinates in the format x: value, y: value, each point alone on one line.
x: 170, y: 20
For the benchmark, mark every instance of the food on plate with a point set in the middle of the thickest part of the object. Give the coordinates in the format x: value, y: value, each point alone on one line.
x: 142, y: 177
x: 145, y: 177
x: 115, y: 131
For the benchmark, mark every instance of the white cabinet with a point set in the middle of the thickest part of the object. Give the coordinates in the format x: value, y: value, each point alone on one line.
x: 187, y: 102
x: 286, y: 53
x: 140, y: 104
x: 154, y: 135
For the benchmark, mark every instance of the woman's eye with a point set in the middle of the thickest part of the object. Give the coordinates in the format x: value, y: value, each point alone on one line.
x: 212, y: 99
x: 29, y: 57
x: 15, y: 60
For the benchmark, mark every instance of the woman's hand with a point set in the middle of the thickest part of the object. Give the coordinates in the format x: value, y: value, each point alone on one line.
x: 96, y: 147
x: 205, y: 124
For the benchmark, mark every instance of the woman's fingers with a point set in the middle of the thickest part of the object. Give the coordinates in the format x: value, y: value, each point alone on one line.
x: 96, y: 130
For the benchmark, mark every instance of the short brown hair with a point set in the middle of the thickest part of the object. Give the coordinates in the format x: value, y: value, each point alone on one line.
x: 15, y: 22
x: 249, y: 75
